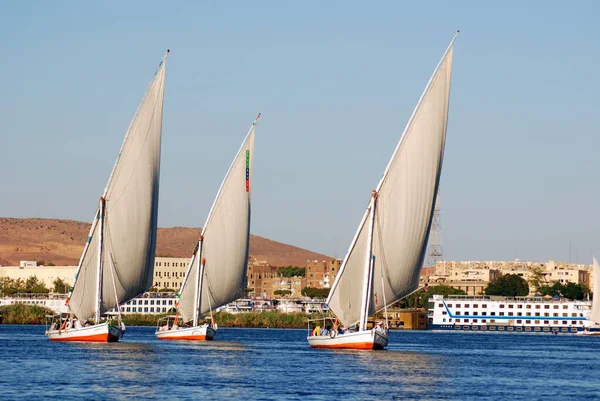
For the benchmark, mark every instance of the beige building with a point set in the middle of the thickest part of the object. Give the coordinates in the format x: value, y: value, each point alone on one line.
x: 265, y: 280
x: 46, y: 274
x: 169, y: 273
x: 474, y: 276
x: 260, y: 277
x: 472, y: 281
x: 321, y: 274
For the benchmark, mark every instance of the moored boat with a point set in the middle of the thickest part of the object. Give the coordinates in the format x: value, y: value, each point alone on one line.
x: 507, y: 314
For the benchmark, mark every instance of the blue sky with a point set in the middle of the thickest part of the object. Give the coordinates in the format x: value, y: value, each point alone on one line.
x: 336, y: 82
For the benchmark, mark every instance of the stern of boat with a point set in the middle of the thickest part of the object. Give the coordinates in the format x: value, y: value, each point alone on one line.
x: 201, y: 333
x: 102, y: 333
x: 362, y: 340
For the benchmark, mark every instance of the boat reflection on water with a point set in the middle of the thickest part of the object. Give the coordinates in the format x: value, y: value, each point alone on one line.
x: 211, y: 346
x: 413, y: 373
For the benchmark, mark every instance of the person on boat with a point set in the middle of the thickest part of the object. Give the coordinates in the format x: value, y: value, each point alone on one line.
x: 341, y: 330
x: 379, y: 328
x: 77, y: 324
x: 175, y: 326
x: 54, y: 326
x: 324, y: 332
x: 317, y: 331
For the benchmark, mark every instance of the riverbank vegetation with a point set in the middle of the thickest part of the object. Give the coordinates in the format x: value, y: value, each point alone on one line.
x: 33, y: 285
x: 35, y: 314
x: 24, y: 314
x: 291, y: 271
x: 270, y: 319
x: 508, y: 285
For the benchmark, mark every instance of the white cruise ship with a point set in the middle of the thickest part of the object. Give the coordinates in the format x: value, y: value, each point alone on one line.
x: 494, y: 313
x: 147, y: 303
x: 56, y: 302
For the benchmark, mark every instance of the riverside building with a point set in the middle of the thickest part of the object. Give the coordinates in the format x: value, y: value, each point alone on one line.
x: 474, y: 276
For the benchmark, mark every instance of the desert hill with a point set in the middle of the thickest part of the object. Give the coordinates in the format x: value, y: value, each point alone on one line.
x: 61, y: 242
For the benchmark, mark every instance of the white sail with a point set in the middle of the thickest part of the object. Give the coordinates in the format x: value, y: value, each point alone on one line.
x: 345, y: 296
x: 83, y: 295
x: 225, y: 243
x: 596, y: 300
x: 131, y: 213
x: 404, y: 207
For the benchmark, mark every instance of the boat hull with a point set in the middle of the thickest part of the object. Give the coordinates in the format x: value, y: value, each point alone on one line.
x: 366, y: 340
x: 101, y: 333
x: 188, y: 334
x: 505, y: 328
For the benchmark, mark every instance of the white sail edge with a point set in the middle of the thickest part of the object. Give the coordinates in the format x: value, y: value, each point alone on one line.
x: 595, y: 315
x: 86, y: 248
x: 210, y: 213
x: 189, y: 269
x: 338, y: 277
x: 415, y: 111
x: 135, y: 116
x: 212, y: 208
x: 382, y: 180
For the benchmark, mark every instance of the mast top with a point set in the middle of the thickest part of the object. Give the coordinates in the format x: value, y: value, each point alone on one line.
x: 256, y: 119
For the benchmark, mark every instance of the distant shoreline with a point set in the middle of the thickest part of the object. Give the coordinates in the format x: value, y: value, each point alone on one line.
x: 34, y: 314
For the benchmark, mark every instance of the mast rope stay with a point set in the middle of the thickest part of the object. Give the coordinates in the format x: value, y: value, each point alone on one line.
x: 112, y: 271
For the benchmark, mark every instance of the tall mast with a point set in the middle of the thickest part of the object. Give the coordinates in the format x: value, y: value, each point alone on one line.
x: 368, y: 275
x: 199, y: 274
x: 100, y: 251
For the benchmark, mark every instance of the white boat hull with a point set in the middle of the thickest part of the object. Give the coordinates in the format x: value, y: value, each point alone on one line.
x: 103, y: 333
x: 370, y: 339
x: 588, y: 333
x: 188, y: 333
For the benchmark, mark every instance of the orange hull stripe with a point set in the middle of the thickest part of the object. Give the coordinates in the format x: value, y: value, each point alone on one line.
x: 351, y: 346
x: 191, y: 338
x: 99, y: 338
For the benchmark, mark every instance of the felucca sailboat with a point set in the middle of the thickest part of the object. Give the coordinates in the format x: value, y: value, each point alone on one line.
x: 385, y: 257
x: 216, y: 274
x: 118, y: 259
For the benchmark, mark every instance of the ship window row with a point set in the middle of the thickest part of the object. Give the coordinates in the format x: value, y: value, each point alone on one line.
x: 502, y: 306
x: 149, y: 302
x: 144, y: 310
x: 564, y: 322
x: 546, y: 314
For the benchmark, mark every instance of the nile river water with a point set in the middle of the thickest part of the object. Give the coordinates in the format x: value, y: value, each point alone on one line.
x: 271, y: 364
